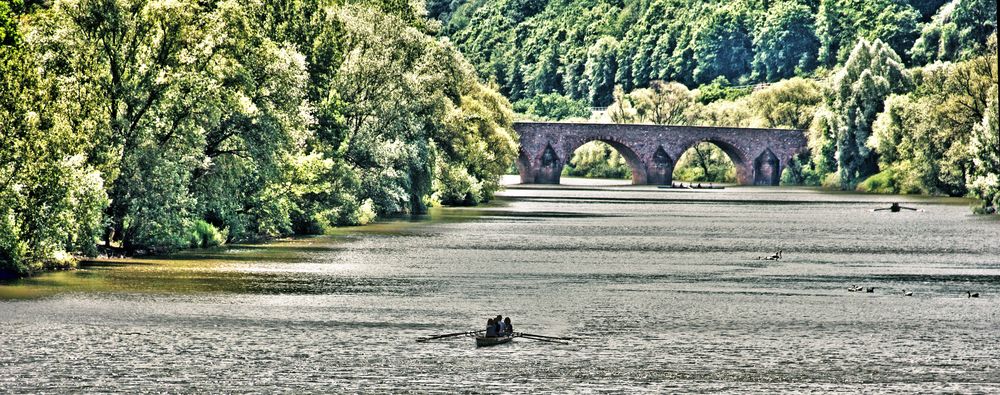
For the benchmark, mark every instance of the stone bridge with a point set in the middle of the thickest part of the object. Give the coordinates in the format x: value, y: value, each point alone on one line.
x: 652, y: 150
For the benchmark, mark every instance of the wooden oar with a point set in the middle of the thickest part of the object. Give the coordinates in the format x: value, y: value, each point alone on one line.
x: 543, y: 336
x: 423, y: 339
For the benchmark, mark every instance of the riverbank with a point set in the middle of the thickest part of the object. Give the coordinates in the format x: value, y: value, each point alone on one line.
x: 512, y: 182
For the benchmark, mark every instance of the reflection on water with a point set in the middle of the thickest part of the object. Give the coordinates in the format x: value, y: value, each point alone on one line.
x: 661, y: 287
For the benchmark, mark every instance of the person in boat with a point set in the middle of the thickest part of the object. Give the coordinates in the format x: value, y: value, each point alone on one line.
x: 895, y: 208
x: 491, y: 328
x: 499, y: 323
x: 508, y: 328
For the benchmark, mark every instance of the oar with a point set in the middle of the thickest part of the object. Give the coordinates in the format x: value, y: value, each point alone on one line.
x: 423, y: 339
x: 543, y: 336
x: 544, y: 340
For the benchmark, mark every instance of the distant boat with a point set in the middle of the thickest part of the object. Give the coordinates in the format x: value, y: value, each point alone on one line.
x: 895, y: 208
x: 487, y: 341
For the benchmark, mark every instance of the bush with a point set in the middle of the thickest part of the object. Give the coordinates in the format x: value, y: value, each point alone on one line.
x: 885, y: 182
x: 454, y: 186
x: 718, y: 90
x: 205, y: 235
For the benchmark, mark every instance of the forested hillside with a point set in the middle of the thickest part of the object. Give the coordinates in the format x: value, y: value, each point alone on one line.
x: 582, y: 49
x: 899, y: 96
x: 150, y: 125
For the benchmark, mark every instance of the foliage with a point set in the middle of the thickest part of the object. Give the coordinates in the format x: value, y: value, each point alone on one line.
x: 582, y: 49
x: 841, y: 23
x: 871, y: 73
x: 723, y: 46
x: 552, y: 106
x: 597, y: 159
x: 663, y: 103
x: 787, y: 104
x: 719, y: 89
x: 786, y: 43
x: 50, y: 197
x: 205, y: 235
x: 705, y: 162
x: 162, y: 125
x: 959, y: 30
x: 985, y: 151
x: 924, y: 136
x: 599, y: 71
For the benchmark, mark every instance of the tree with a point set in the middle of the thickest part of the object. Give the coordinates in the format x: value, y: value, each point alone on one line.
x: 871, y: 73
x: 621, y: 109
x: 597, y: 159
x: 50, y: 199
x: 600, y: 69
x: 841, y: 23
x: 553, y: 106
x: 786, y: 104
x: 786, y: 42
x: 960, y: 29
x: 705, y: 162
x: 664, y: 103
x: 985, y: 151
x: 923, y: 137
x: 723, y: 46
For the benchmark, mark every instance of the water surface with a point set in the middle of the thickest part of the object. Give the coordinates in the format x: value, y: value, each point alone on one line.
x: 661, y: 289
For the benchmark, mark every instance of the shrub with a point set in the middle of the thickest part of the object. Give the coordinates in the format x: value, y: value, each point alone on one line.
x: 205, y: 235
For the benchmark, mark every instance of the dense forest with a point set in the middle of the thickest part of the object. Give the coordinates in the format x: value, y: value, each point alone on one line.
x: 898, y: 96
x: 151, y: 125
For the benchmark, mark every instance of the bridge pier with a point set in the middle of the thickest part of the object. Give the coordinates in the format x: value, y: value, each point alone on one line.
x: 652, y: 150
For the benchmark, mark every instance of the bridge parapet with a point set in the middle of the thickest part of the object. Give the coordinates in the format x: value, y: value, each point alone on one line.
x: 652, y: 150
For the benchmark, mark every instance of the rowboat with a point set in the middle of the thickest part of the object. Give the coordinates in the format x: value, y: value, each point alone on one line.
x: 486, y: 341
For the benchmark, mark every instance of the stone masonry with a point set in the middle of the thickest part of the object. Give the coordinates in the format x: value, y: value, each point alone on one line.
x: 652, y: 150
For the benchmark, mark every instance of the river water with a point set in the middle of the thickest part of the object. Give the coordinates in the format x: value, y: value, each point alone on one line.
x: 660, y: 288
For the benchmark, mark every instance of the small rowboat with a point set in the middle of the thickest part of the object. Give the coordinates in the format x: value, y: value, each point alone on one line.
x: 487, y: 341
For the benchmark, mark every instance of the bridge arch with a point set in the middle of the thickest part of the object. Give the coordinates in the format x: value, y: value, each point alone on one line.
x: 653, y: 150
x: 744, y: 172
x: 634, y: 161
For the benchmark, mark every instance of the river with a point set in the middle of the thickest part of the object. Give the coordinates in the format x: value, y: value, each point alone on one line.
x: 661, y: 290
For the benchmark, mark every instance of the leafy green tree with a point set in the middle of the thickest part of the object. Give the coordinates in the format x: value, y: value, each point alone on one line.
x: 597, y: 160
x: 50, y: 199
x: 705, y: 162
x: 553, y: 106
x: 871, y: 73
x: 787, y: 104
x: 822, y: 136
x: 960, y: 29
x: 119, y: 63
x: 840, y: 23
x: 786, y: 42
x: 258, y: 118
x: 923, y: 138
x: 723, y: 46
x: 599, y: 73
x: 985, y: 151
x: 664, y: 103
x: 621, y: 109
